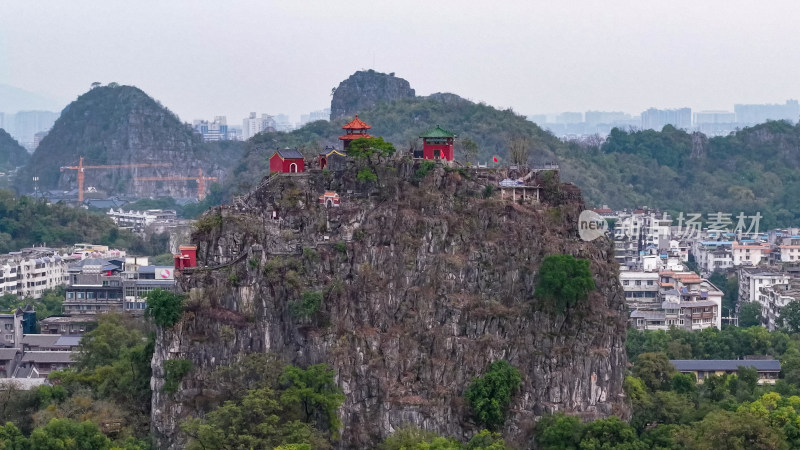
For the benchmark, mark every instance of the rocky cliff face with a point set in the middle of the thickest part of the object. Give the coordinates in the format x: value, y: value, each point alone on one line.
x: 116, y: 125
x: 425, y: 282
x: 365, y: 89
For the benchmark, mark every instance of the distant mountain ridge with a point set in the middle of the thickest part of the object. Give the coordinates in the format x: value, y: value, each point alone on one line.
x: 364, y: 90
x: 756, y: 169
x: 118, y: 125
x: 13, y: 99
x: 12, y: 154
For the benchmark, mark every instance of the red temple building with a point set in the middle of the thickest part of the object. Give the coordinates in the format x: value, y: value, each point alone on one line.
x: 357, y: 128
x: 287, y: 161
x: 186, y: 258
x: 437, y: 143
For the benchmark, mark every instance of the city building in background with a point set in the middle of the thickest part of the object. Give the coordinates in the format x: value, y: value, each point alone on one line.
x: 253, y: 125
x: 754, y: 114
x: 313, y: 116
x: 656, y: 119
x: 24, y: 125
x: 216, y: 130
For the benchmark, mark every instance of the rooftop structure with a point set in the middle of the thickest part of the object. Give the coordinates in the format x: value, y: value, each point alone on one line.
x: 768, y: 369
x: 354, y: 129
x: 437, y: 143
x: 288, y: 160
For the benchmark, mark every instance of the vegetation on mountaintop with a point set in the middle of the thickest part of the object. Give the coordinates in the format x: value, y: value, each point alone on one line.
x: 116, y: 124
x: 752, y: 170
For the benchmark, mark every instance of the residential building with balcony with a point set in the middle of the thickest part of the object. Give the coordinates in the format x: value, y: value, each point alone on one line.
x: 31, y: 271
x: 773, y: 299
x: 641, y: 289
x: 752, y: 279
x: 684, y: 300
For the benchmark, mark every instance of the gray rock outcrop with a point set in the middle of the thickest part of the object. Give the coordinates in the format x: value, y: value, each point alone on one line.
x: 425, y: 283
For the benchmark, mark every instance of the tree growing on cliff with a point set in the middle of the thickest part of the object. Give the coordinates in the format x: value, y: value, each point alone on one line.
x: 164, y: 307
x: 489, y: 396
x: 314, y: 392
x: 564, y: 281
x: 365, y: 149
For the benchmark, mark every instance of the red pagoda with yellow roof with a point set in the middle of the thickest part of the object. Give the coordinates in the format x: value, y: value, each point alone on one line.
x: 356, y: 129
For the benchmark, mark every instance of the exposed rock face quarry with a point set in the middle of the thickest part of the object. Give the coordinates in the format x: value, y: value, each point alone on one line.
x: 426, y: 280
x: 364, y: 89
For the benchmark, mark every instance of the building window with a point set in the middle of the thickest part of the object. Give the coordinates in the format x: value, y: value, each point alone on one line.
x: 625, y: 282
x: 649, y: 282
x: 70, y: 295
x: 638, y: 282
x: 10, y: 326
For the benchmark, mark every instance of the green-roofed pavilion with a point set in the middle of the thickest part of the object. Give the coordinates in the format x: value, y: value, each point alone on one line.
x: 437, y: 132
x: 437, y: 144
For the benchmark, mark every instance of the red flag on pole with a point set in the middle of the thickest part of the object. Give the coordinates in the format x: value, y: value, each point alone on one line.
x: 495, y: 159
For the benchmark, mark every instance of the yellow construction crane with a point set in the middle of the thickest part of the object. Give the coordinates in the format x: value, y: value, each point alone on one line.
x: 201, y: 181
x: 80, y: 168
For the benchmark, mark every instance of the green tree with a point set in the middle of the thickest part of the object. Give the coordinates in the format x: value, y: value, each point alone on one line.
x: 309, y: 304
x: 257, y: 421
x: 103, y: 345
x: 489, y: 396
x: 684, y: 383
x: 610, y: 433
x: 11, y: 438
x: 733, y: 431
x: 790, y: 317
x: 314, y: 392
x: 558, y: 432
x: 564, y: 281
x: 654, y: 369
x: 174, y: 371
x: 368, y: 148
x: 164, y: 307
x: 750, y: 314
x: 68, y: 434
x: 414, y: 438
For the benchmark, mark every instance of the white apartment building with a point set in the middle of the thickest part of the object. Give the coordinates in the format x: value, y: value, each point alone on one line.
x: 31, y: 271
x: 684, y: 300
x: 749, y: 253
x: 254, y: 125
x: 139, y: 220
x: 713, y: 256
x: 752, y: 279
x: 641, y: 289
x: 773, y: 298
x: 789, y: 249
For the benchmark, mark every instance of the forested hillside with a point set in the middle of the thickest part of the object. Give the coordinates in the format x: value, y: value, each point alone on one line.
x: 117, y: 125
x: 25, y: 221
x: 754, y: 170
x: 12, y: 154
x: 401, y: 122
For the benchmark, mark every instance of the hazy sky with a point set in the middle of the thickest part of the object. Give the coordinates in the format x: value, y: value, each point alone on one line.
x: 204, y: 58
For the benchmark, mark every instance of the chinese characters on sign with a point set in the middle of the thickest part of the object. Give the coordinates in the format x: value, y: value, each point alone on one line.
x: 690, y: 225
